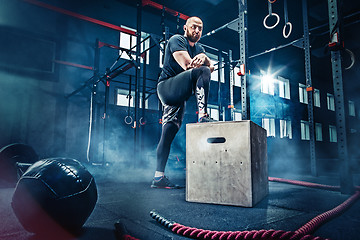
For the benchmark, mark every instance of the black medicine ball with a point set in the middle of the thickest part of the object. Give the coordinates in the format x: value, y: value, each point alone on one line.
x: 54, y: 192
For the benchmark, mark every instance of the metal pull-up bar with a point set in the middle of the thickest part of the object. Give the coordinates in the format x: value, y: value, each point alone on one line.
x: 80, y: 16
x: 168, y: 10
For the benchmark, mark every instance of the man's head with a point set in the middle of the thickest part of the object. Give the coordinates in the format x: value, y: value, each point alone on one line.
x: 193, y: 29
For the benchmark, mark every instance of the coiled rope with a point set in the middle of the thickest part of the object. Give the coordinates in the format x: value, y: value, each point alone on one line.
x: 303, y: 233
x: 229, y: 235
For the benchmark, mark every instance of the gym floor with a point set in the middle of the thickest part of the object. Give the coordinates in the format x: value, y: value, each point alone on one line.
x: 287, y: 207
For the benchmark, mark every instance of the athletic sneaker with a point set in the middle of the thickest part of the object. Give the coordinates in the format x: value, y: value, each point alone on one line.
x: 163, y: 182
x: 206, y: 118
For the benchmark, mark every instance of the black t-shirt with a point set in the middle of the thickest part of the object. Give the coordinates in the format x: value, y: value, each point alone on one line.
x: 177, y: 43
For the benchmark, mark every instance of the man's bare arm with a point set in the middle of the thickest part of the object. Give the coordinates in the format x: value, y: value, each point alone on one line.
x: 184, y: 60
x: 202, y: 59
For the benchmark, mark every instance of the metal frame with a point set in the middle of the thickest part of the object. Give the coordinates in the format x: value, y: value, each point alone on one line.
x: 220, y: 80
x: 309, y: 88
x: 346, y: 181
x: 231, y: 87
x: 243, y: 39
x: 137, y: 81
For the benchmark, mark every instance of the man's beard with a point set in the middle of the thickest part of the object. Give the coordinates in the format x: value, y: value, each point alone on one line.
x: 192, y: 38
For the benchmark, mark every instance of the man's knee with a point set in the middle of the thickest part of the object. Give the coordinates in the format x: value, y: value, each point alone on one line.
x: 203, y: 72
x: 206, y: 71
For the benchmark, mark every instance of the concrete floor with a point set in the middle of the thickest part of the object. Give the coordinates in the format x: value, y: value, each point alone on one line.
x: 287, y: 207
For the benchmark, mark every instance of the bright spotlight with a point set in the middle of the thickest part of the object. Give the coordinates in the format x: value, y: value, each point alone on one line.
x: 267, y: 78
x: 267, y: 84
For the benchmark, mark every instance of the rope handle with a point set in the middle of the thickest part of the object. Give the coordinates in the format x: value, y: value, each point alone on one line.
x: 284, y: 30
x: 287, y: 23
x: 128, y: 120
x: 269, y: 15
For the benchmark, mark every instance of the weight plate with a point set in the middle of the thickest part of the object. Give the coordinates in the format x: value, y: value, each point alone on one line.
x: 14, y: 160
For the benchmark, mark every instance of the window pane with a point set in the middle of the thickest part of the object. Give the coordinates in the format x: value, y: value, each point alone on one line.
x: 267, y: 84
x: 330, y: 102
x: 128, y: 41
x: 281, y: 89
x: 285, y: 129
x: 237, y: 77
x: 351, y: 108
x: 305, y: 130
x: 238, y: 116
x: 123, y: 100
x: 269, y: 125
x: 303, y: 94
x: 318, y: 132
x: 214, y: 113
x: 272, y: 127
x: 284, y: 87
x: 215, y: 74
x: 332, y: 133
x: 316, y: 97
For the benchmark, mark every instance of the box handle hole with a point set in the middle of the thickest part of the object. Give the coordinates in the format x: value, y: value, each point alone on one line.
x: 216, y: 140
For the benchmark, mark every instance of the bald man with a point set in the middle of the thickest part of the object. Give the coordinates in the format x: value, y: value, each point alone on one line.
x: 186, y: 71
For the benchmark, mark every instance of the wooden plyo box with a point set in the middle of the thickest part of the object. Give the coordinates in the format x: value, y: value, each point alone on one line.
x: 226, y: 163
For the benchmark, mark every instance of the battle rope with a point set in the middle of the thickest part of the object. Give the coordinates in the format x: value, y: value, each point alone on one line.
x: 128, y: 237
x: 303, y: 233
x: 305, y: 184
x: 314, y: 223
x: 236, y: 235
x: 319, y: 220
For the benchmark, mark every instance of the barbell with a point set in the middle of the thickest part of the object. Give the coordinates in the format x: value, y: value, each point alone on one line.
x: 15, y: 159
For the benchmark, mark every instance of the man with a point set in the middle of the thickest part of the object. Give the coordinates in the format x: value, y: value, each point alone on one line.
x: 186, y: 71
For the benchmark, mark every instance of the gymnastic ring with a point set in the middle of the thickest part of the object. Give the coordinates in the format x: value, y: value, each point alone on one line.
x: 290, y: 30
x: 141, y: 121
x: 128, y: 120
x: 352, y: 56
x: 277, y: 20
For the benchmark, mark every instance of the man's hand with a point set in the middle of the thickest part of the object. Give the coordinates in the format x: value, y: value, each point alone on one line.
x: 198, y: 60
x: 184, y: 60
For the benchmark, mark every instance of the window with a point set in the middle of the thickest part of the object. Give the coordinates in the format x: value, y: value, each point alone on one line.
x: 330, y: 102
x: 303, y: 97
x: 213, y: 112
x: 351, y: 108
x: 215, y: 74
x: 269, y: 125
x: 284, y: 87
x: 267, y: 85
x: 122, y: 98
x: 285, y: 129
x: 305, y: 130
x: 332, y: 133
x: 316, y: 97
x: 215, y: 61
x: 318, y: 132
x: 128, y: 41
x: 237, y: 116
x: 237, y: 81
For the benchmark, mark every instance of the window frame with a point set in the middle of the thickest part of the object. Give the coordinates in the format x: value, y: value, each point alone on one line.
x: 305, y: 130
x: 269, y: 125
x: 303, y: 95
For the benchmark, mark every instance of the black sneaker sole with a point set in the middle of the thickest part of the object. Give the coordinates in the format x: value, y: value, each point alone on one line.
x: 154, y: 186
x: 175, y: 187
